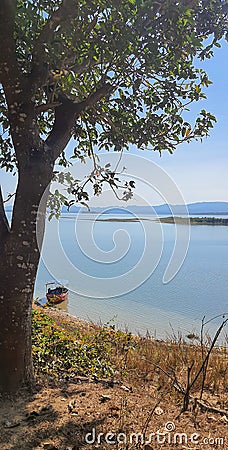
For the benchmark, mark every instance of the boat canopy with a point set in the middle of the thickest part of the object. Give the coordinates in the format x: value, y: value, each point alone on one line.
x: 57, y: 282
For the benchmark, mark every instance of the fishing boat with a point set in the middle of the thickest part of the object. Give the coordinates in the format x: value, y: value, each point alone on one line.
x: 56, y: 292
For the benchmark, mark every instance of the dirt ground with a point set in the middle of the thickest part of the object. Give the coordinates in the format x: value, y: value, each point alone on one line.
x: 105, y: 415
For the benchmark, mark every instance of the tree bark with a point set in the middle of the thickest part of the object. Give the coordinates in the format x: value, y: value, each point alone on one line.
x: 15, y: 340
x: 19, y: 260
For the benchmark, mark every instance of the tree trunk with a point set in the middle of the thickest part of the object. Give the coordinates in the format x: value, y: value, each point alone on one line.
x: 19, y: 261
x: 15, y: 341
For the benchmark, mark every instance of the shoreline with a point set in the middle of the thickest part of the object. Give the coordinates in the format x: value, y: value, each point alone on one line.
x: 64, y: 318
x: 69, y: 322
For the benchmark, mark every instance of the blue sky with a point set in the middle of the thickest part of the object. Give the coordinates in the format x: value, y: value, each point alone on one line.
x: 199, y: 169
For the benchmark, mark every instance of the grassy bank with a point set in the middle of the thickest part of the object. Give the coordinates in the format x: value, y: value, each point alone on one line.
x: 63, y: 349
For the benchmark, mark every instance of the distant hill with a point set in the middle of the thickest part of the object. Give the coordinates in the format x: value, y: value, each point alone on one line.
x: 193, y: 208
x: 208, y: 208
x: 196, y: 208
x: 212, y: 208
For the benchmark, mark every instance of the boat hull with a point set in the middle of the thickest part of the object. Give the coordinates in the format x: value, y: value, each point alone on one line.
x: 57, y: 298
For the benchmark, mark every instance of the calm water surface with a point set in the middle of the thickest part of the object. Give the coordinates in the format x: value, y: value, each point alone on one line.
x: 83, y: 252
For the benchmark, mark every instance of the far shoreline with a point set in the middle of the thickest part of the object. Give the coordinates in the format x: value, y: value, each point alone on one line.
x: 211, y: 221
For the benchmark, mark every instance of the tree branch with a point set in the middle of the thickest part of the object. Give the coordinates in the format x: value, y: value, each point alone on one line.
x: 65, y: 116
x: 4, y: 224
x: 63, y: 15
x: 94, y: 97
x: 43, y: 107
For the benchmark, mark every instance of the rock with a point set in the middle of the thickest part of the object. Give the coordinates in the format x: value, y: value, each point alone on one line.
x: 126, y: 388
x: 158, y: 411
x: 104, y: 398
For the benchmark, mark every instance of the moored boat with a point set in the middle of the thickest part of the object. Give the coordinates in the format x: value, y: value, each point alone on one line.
x: 57, y: 294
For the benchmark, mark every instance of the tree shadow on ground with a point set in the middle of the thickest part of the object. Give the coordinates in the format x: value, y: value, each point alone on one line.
x: 70, y: 434
x: 50, y: 421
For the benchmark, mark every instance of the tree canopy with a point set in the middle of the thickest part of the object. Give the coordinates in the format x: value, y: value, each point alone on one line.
x: 123, y: 70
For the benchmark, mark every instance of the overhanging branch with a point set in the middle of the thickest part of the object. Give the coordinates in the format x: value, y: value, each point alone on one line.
x: 65, y: 116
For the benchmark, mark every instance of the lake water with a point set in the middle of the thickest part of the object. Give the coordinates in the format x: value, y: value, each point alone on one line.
x: 127, y: 260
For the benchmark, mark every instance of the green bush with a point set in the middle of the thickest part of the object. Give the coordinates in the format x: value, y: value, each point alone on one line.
x: 60, y: 354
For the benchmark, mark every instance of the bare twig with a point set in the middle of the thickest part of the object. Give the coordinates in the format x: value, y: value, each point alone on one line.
x: 205, y: 361
x: 203, y: 368
x: 211, y: 408
x: 202, y: 352
x: 4, y: 224
x: 187, y: 392
x: 9, y: 197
